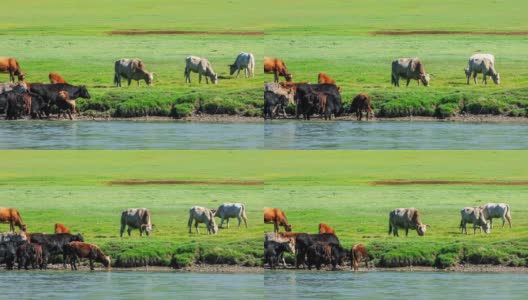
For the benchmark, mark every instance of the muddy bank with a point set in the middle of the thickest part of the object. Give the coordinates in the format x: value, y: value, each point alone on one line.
x: 465, y: 268
x: 195, y: 268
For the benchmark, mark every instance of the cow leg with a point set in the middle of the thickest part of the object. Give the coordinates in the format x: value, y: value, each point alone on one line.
x: 227, y: 221
x: 503, y: 221
x: 484, y: 79
x: 408, y: 80
x: 91, y: 264
x: 395, y: 230
x: 122, y: 230
x: 239, y: 221
x: 199, y: 77
x: 69, y: 115
x: 196, y: 226
x: 129, y: 81
x: 238, y: 73
x: 475, y: 77
x: 222, y: 222
x: 491, y: 223
x: 129, y: 230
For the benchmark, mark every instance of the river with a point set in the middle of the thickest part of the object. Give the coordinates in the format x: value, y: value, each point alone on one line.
x: 295, y: 135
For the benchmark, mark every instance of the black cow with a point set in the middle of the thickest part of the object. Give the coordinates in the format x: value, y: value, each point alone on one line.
x: 50, y: 93
x: 273, y: 251
x: 304, y: 241
x: 30, y: 254
x: 53, y: 244
x: 307, y: 106
x: 8, y: 253
x: 273, y: 103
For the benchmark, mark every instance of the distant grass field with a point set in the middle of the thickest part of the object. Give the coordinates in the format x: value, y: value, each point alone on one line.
x: 335, y: 187
x: 71, y: 38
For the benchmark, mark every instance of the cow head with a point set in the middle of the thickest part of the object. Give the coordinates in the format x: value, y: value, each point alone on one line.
x: 496, y: 78
x: 83, y: 92
x: 288, y: 227
x: 149, y: 78
x: 147, y: 228
x: 486, y: 227
x: 214, y: 78
x: 23, y: 227
x: 425, y: 78
x: 232, y: 69
x: 214, y: 227
x: 288, y: 77
x: 421, y: 229
x: 77, y: 238
x: 21, y: 76
x: 106, y: 261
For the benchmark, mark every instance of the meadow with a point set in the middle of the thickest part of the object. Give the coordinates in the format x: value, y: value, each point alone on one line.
x: 335, y: 187
x: 336, y: 38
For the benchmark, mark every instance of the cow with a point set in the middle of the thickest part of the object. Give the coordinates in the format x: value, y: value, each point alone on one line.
x: 11, y: 66
x: 76, y: 250
x: 274, y: 103
x: 30, y: 254
x: 13, y: 237
x: 305, y: 241
x: 409, y: 68
x: 244, y: 61
x: 306, y: 105
x: 276, y: 217
x: 361, y: 103
x: 17, y: 87
x: 482, y: 63
x: 324, y: 78
x: 8, y: 254
x: 278, y: 68
x: 325, y: 228
x: 274, y: 250
x: 204, y: 215
x: 12, y: 216
x: 358, y: 253
x: 201, y: 66
x: 15, y: 105
x: 131, y: 69
x: 65, y: 105
x: 316, y: 101
x: 53, y: 244
x: 60, y: 228
x: 319, y: 253
x: 281, y: 237
x: 55, y: 78
x: 136, y: 218
x: 475, y: 216
x: 407, y: 218
x: 497, y: 210
x: 231, y: 210
x: 50, y: 93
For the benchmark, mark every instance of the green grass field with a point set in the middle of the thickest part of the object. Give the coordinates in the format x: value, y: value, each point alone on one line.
x: 334, y: 187
x: 71, y: 38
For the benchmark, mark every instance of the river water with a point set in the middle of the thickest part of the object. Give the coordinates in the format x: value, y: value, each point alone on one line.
x: 295, y: 135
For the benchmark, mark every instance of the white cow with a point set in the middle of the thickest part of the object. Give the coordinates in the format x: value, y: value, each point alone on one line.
x: 244, y: 61
x: 406, y: 218
x: 131, y: 69
x: 204, y: 215
x: 201, y: 66
x: 231, y: 210
x: 475, y: 216
x: 482, y: 63
x: 497, y: 210
x: 136, y: 218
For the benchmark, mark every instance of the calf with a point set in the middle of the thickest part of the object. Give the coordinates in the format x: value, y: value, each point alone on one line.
x: 12, y: 216
x: 30, y: 254
x: 274, y: 103
x: 65, y: 105
x: 56, y: 78
x: 475, y: 216
x: 276, y: 217
x: 358, y: 253
x: 361, y: 103
x: 76, y: 250
x: 324, y: 78
x: 324, y: 228
x: 60, y: 228
x: 319, y: 253
x: 204, y: 215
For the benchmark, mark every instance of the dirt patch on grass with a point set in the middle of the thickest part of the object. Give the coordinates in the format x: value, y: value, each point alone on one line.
x: 448, y: 182
x: 445, y: 32
x: 183, y: 32
x: 186, y: 182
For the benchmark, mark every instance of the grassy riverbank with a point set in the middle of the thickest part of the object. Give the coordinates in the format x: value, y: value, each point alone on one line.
x: 338, y: 40
x: 335, y: 187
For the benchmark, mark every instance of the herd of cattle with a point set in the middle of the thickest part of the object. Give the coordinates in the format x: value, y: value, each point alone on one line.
x: 324, y: 97
x: 36, y: 250
x: 324, y: 248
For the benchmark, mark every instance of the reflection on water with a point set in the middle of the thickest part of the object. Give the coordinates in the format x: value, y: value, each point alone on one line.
x: 54, y: 285
x: 394, y: 285
x: 269, y: 135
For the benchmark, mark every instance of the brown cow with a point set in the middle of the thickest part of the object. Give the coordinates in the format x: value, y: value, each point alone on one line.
x: 65, y: 104
x: 277, y: 67
x: 276, y: 217
x: 358, y: 253
x: 60, y: 228
x: 12, y: 216
x: 324, y: 78
x: 361, y: 103
x: 10, y: 65
x: 324, y: 228
x: 56, y: 78
x: 75, y: 250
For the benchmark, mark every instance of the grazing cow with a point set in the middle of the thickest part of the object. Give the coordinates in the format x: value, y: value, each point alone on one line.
x: 30, y: 254
x: 56, y: 78
x: 306, y: 105
x: 65, y: 105
x: 136, y: 218
x: 244, y: 61
x: 358, y: 253
x: 53, y: 244
x: 277, y: 67
x: 497, y: 210
x: 324, y: 78
x: 76, y: 250
x: 60, y: 228
x: 407, y: 218
x: 361, y: 103
x: 274, y: 103
x: 325, y: 228
x: 482, y: 63
x: 304, y: 241
x: 409, y: 68
x: 12, y: 216
x: 276, y: 217
x: 475, y: 216
x: 274, y: 250
x: 231, y: 210
x: 202, y: 215
x: 50, y: 93
x: 10, y: 65
x: 132, y: 69
x: 201, y: 66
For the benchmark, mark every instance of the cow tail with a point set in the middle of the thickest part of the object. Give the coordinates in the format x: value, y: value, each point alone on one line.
x: 352, y: 258
x: 252, y: 62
